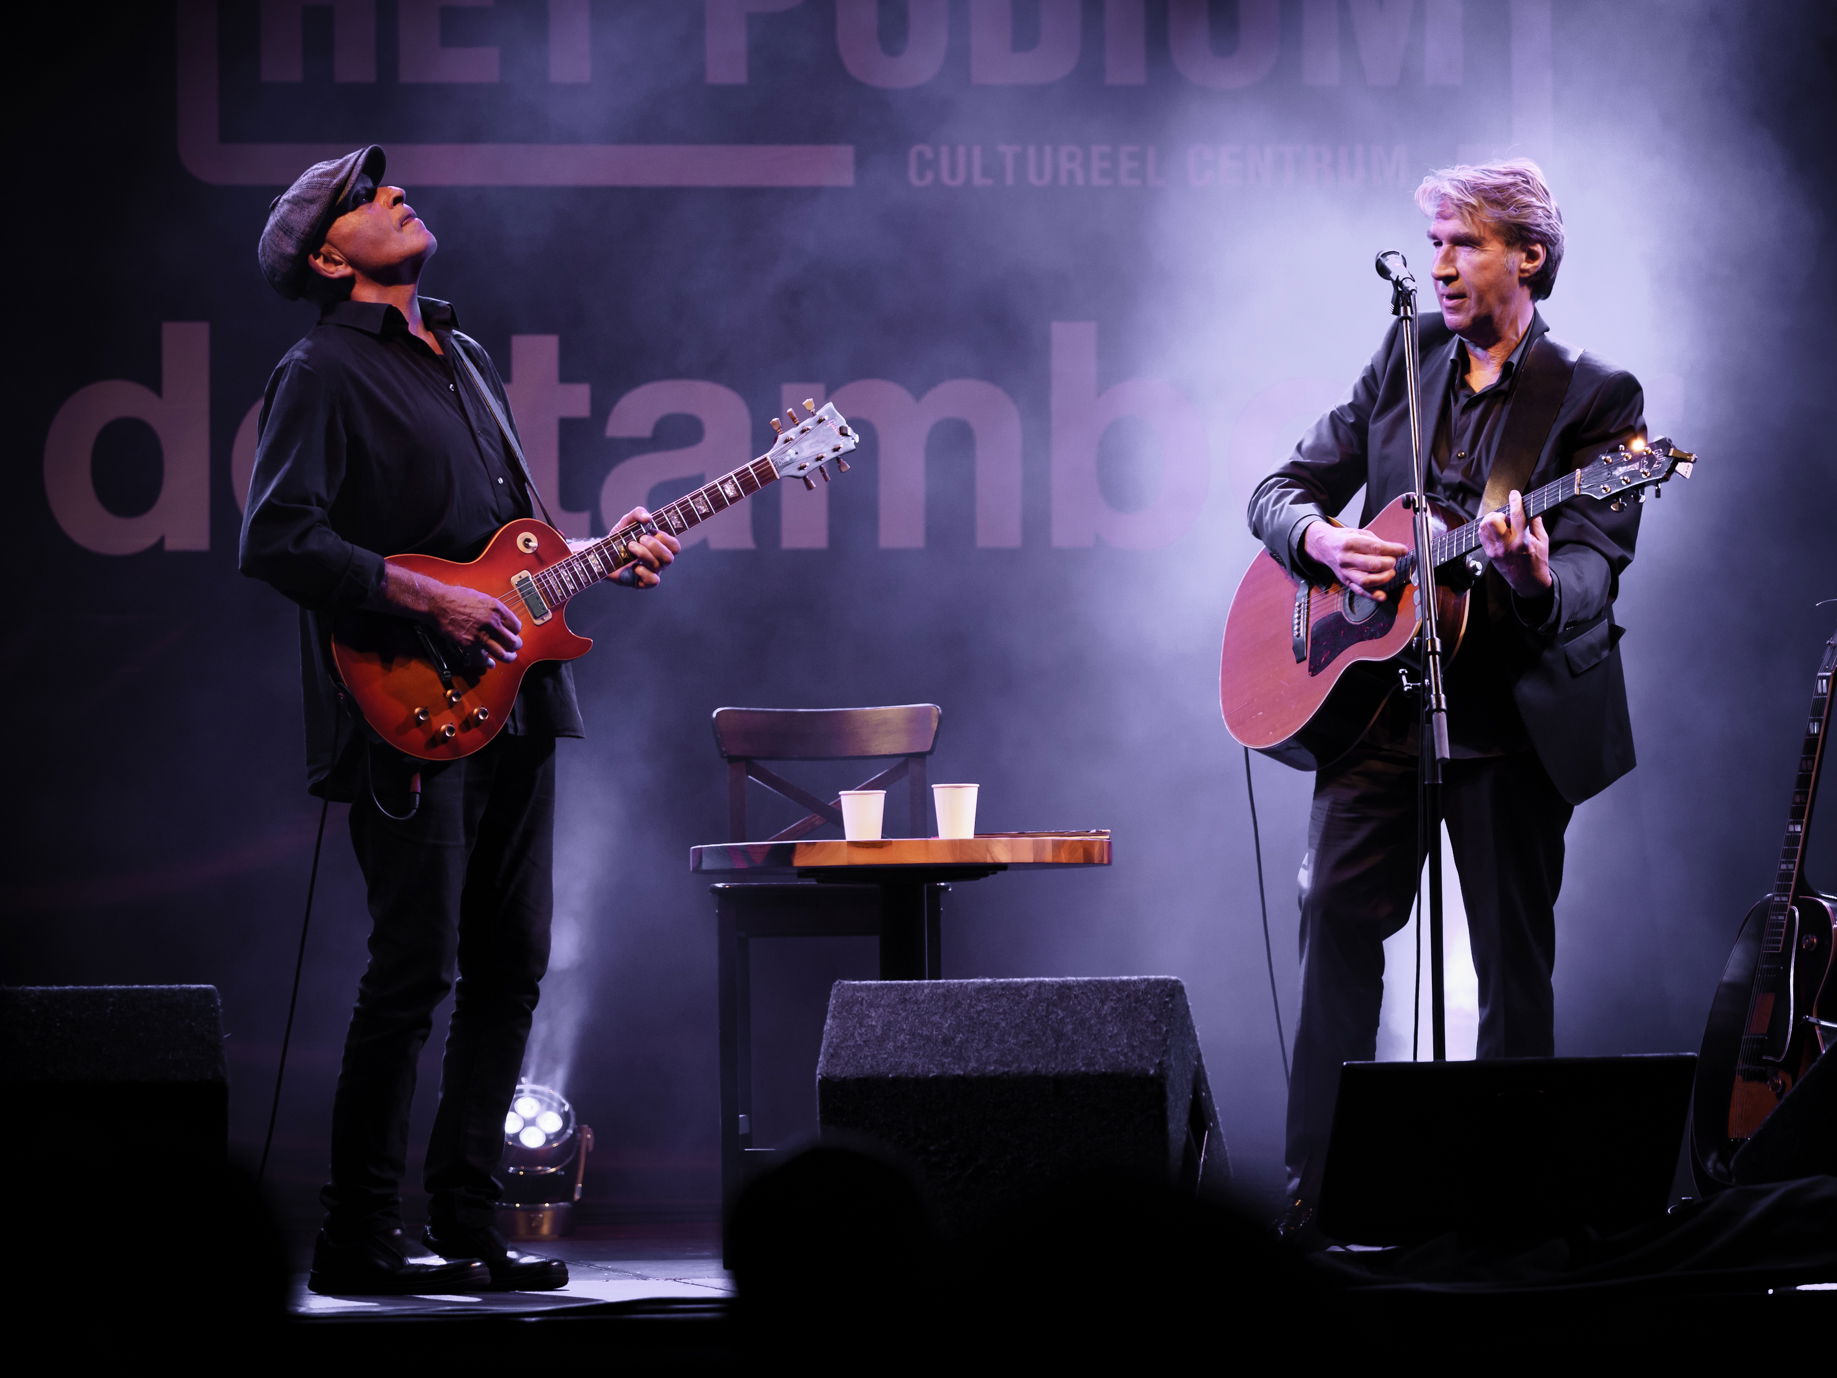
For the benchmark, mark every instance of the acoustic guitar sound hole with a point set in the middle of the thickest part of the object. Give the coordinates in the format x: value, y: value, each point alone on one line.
x: 1357, y: 607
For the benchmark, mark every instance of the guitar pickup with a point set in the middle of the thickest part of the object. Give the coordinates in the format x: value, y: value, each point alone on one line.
x: 525, y: 585
x: 1298, y: 630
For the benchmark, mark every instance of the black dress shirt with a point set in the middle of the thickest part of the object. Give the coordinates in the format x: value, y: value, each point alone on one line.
x: 372, y: 444
x: 1482, y: 720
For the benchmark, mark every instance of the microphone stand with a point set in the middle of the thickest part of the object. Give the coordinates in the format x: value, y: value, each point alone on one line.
x: 1434, y: 745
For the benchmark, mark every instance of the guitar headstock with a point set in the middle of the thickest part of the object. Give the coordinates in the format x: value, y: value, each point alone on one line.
x: 1635, y: 469
x: 812, y: 442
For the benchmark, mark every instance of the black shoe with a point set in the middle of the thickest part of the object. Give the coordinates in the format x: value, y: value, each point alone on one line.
x: 383, y: 1265
x: 1296, y: 1226
x: 511, y: 1270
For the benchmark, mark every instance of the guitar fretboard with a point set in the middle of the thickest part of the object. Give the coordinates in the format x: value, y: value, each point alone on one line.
x: 1804, y: 788
x: 1458, y: 541
x: 590, y: 564
x: 1773, y: 963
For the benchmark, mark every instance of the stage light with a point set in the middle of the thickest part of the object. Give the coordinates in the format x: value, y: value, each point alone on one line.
x: 545, y: 1164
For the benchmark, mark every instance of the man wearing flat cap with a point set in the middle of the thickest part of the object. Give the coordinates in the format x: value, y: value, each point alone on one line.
x: 383, y: 431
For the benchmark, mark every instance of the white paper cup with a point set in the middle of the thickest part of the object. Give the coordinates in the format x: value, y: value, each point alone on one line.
x: 862, y: 810
x: 956, y: 806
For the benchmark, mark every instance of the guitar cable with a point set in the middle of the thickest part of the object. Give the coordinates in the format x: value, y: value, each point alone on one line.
x: 1269, y: 951
x: 413, y: 789
x: 293, y: 997
x: 299, y: 960
x: 1422, y: 857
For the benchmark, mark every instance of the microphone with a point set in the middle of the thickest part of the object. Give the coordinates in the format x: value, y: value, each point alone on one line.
x: 1393, y: 267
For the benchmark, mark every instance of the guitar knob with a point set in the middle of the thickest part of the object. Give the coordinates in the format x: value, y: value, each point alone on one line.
x: 448, y: 732
x: 420, y: 715
x: 453, y: 696
x: 481, y: 714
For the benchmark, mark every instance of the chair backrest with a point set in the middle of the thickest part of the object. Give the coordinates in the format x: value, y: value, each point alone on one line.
x: 747, y: 737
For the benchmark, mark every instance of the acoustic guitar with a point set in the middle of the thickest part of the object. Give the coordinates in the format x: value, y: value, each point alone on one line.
x: 1775, y: 1010
x: 425, y: 696
x: 1304, y: 668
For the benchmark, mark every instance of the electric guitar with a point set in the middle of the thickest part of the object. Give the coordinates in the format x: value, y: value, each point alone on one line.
x: 1775, y: 1011
x: 425, y: 696
x: 1303, y: 672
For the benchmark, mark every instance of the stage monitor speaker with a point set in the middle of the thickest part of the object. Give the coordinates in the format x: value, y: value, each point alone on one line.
x: 1508, y: 1147
x: 999, y: 1089
x: 111, y: 1076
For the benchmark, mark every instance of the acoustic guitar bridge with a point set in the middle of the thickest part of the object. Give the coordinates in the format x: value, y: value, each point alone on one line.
x: 1298, y: 631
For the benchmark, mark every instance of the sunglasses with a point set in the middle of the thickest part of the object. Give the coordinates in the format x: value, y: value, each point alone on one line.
x: 362, y: 193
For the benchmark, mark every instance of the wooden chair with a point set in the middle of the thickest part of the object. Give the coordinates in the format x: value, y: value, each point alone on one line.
x: 748, y: 738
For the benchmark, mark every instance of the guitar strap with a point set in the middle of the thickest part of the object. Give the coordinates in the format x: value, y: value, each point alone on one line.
x: 497, y: 414
x: 1537, y: 396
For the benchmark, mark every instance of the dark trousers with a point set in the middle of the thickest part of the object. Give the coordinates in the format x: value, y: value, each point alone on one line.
x: 460, y: 898
x: 1505, y: 827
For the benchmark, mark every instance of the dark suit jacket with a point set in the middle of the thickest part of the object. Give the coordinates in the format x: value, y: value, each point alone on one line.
x: 1564, y: 673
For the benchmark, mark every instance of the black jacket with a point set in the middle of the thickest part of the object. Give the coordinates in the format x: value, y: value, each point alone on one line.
x: 1563, y: 674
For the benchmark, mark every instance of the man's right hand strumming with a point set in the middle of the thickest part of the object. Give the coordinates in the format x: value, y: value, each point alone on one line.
x: 468, y: 618
x: 1354, y: 556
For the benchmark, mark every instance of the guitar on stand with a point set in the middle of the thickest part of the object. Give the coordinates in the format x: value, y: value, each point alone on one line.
x: 1303, y: 671
x: 1775, y: 1011
x: 428, y: 698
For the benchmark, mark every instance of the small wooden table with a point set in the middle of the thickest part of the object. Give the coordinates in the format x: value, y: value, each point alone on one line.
x: 911, y: 873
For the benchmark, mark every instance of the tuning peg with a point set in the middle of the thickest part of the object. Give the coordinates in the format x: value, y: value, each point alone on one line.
x: 791, y: 416
x: 809, y: 482
x: 775, y: 426
x: 810, y: 405
x: 825, y: 474
x: 843, y: 429
x: 842, y: 464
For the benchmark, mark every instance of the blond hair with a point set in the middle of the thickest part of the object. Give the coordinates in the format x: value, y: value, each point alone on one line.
x: 1512, y: 195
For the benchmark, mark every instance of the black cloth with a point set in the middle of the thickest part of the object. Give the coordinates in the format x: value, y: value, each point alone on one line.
x: 1505, y: 821
x: 1538, y: 718
x: 463, y: 887
x: 371, y: 444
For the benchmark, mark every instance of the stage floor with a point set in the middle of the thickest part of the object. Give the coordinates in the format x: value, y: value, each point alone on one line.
x: 607, y: 1266
x: 656, y: 1298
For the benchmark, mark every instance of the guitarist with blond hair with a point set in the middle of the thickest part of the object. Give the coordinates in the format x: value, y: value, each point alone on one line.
x: 1537, y: 712
x: 386, y: 431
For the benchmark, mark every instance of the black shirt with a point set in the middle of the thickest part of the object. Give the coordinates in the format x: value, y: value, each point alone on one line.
x: 1482, y: 720
x: 372, y: 444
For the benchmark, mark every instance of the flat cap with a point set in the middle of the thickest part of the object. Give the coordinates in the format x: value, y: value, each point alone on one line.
x: 299, y: 217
